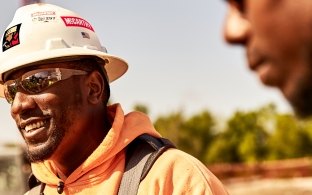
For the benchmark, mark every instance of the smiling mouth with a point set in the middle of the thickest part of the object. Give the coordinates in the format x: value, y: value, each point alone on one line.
x: 35, y: 125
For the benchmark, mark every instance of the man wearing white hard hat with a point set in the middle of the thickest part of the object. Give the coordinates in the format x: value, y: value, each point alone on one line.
x: 55, y: 74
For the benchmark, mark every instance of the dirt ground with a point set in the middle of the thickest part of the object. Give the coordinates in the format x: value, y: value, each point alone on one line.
x: 291, y: 186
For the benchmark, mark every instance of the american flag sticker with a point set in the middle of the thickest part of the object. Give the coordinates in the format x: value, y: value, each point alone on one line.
x: 85, y: 35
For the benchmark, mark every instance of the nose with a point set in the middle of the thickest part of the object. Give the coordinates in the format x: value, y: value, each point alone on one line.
x: 22, y: 103
x: 236, y: 26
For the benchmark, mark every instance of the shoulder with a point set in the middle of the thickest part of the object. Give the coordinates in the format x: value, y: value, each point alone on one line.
x: 182, y: 173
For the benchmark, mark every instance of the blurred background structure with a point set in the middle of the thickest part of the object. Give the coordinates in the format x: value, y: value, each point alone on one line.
x: 14, y: 170
x: 196, y: 88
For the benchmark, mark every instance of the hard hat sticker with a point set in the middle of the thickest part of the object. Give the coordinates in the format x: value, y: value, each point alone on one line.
x: 76, y: 22
x: 11, y: 37
x: 43, y: 13
x: 43, y: 16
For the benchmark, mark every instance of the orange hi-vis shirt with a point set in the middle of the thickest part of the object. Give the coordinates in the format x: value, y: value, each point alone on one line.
x: 174, y: 172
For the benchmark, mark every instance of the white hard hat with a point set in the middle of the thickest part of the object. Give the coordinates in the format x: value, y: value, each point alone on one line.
x: 43, y: 31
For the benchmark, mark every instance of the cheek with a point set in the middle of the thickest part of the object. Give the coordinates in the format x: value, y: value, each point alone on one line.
x: 64, y: 95
x: 48, y: 101
x: 282, y: 24
x: 65, y: 110
x: 56, y: 105
x: 64, y: 100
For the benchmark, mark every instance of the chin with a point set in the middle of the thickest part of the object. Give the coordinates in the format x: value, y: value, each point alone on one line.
x: 301, y: 104
x: 303, y: 111
x: 43, y: 150
x: 39, y: 153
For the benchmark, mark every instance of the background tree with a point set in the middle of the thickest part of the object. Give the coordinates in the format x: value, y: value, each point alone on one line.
x: 291, y: 138
x: 192, y: 135
x: 170, y: 126
x: 248, y: 136
x: 198, y: 133
x: 244, y: 140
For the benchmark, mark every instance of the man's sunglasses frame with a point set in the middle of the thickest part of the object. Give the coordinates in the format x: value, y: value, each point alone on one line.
x: 38, y: 80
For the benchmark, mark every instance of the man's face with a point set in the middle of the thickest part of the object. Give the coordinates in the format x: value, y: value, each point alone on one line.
x: 51, y: 120
x: 277, y: 35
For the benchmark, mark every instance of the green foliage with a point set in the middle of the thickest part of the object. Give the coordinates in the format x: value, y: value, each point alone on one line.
x: 245, y: 140
x: 290, y: 139
x: 221, y: 150
x: 248, y: 136
x: 170, y: 126
x: 198, y: 133
x: 141, y: 108
x: 193, y: 135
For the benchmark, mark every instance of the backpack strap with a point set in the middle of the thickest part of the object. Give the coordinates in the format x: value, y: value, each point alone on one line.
x: 35, y: 186
x: 160, y: 145
x: 140, y: 156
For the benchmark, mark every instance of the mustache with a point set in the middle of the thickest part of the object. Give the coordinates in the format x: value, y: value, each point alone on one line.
x: 34, y: 113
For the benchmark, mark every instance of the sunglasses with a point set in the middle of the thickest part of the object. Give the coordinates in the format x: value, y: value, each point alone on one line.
x: 36, y: 81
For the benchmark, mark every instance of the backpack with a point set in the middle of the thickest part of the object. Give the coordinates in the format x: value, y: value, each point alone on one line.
x: 141, y: 154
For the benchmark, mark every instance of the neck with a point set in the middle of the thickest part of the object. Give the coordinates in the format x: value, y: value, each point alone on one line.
x: 84, y: 145
x: 72, y: 159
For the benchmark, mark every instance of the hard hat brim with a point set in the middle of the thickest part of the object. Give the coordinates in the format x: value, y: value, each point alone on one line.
x: 115, y: 67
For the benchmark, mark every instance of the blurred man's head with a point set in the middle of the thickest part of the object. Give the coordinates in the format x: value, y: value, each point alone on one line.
x: 277, y: 35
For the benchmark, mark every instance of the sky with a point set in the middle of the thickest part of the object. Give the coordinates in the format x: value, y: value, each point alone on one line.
x: 178, y: 60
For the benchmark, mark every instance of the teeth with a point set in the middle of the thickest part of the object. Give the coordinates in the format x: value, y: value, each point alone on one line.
x: 33, y: 126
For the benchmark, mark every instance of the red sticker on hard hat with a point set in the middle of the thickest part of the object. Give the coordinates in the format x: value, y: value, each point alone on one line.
x: 11, y: 37
x: 76, y: 22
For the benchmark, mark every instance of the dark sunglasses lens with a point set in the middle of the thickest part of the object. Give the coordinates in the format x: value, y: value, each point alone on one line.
x: 38, y: 82
x: 10, y: 92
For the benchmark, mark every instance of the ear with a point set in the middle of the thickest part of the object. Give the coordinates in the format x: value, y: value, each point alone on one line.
x: 95, y: 83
